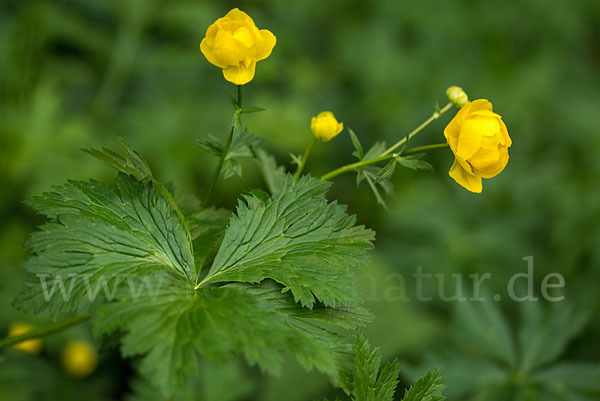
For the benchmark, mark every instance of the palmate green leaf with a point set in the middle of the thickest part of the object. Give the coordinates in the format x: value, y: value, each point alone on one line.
x: 369, y: 383
x: 376, y: 177
x: 134, y: 247
x: 487, y: 352
x: 241, y: 147
x: 427, y: 388
x: 214, y: 382
x: 359, y: 153
x: 132, y: 163
x: 570, y: 377
x: 98, y: 235
x: 414, y: 162
x: 482, y: 329
x: 545, y: 333
x: 273, y: 174
x: 207, y: 227
x: 174, y: 323
x: 299, y: 240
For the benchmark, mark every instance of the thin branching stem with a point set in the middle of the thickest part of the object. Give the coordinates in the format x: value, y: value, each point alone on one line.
x: 436, y: 114
x: 389, y: 152
x: 44, y: 331
x: 309, y: 149
x: 378, y: 159
x: 221, y: 162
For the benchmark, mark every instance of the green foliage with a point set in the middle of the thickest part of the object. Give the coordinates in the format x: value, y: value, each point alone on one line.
x: 427, y: 388
x: 369, y: 382
x: 79, y: 72
x: 214, y: 382
x: 488, y: 361
x: 147, y: 253
x: 273, y: 174
x: 376, y: 177
x: 242, y: 145
x: 380, y: 177
x: 413, y: 162
x: 298, y: 239
x: 97, y: 234
x: 170, y: 323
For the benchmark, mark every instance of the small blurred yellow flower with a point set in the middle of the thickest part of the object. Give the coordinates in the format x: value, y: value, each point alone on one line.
x: 33, y: 346
x: 457, y: 96
x: 480, y: 142
x: 235, y: 44
x: 325, y: 126
x: 79, y: 358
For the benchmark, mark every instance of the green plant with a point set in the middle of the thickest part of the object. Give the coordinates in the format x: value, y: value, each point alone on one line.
x: 174, y: 278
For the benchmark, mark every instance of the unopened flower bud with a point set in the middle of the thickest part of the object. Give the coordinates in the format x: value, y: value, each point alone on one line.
x: 325, y: 127
x: 457, y: 96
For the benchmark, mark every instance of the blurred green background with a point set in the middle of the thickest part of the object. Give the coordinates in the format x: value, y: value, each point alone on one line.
x: 79, y: 73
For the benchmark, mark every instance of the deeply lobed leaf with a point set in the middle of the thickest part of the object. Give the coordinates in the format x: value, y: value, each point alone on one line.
x: 97, y: 235
x: 171, y: 323
x: 299, y: 240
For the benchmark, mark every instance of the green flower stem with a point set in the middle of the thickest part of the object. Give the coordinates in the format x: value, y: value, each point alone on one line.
x: 436, y: 114
x: 239, y: 99
x: 425, y: 148
x: 357, y: 165
x: 217, y: 173
x: 365, y: 163
x: 309, y: 149
x: 44, y: 331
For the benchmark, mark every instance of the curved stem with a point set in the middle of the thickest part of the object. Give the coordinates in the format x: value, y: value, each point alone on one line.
x: 309, y: 149
x: 421, y: 149
x: 364, y: 163
x: 44, y: 331
x: 436, y: 114
x: 217, y: 173
x: 357, y: 165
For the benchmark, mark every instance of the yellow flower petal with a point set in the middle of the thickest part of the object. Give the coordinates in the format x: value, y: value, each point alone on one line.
x: 236, y: 14
x: 479, y: 140
x: 234, y: 44
x: 325, y: 127
x: 240, y: 74
x: 269, y: 41
x: 493, y: 169
x: 462, y: 177
x: 506, y: 139
x: 453, y: 128
x: 480, y: 104
x: 208, y: 52
x: 33, y: 346
x: 465, y: 164
x: 79, y: 358
x: 469, y: 139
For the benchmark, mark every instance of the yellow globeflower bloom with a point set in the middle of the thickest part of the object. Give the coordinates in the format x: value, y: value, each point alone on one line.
x: 325, y: 126
x: 79, y: 358
x: 480, y: 142
x: 33, y: 346
x: 235, y: 44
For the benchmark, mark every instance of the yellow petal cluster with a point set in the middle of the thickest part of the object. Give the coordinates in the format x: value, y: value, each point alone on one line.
x: 79, y: 358
x: 235, y: 44
x: 325, y: 127
x: 479, y: 140
x: 33, y: 346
